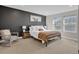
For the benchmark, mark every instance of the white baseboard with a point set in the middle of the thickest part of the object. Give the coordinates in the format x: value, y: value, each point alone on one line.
x: 74, y: 39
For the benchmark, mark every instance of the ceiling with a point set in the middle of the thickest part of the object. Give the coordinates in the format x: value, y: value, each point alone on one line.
x: 45, y: 9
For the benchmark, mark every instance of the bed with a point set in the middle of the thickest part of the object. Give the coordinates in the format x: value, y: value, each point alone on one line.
x: 40, y: 33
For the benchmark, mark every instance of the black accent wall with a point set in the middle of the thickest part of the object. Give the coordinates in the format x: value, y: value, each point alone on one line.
x: 13, y: 19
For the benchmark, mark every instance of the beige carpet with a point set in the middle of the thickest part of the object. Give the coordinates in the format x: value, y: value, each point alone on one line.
x: 32, y: 46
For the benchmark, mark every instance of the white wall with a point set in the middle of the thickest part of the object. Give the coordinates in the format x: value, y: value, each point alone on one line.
x: 49, y: 20
x: 78, y: 28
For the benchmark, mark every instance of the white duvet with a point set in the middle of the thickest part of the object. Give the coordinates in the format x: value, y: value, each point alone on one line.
x: 35, y: 33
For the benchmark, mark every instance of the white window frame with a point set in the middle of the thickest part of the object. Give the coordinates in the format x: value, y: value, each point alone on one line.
x: 70, y: 23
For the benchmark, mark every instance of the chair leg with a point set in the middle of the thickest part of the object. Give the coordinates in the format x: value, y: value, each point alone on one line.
x: 10, y: 43
x: 46, y: 44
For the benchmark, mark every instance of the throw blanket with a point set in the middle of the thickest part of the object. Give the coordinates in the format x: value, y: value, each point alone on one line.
x: 47, y: 35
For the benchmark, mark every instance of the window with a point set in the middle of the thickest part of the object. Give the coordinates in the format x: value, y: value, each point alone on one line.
x: 67, y: 24
x: 70, y: 24
x: 57, y: 23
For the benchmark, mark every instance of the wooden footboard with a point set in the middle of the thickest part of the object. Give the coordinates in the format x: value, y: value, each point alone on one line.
x: 46, y: 42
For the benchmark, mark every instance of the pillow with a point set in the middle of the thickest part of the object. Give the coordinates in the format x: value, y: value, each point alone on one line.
x: 37, y: 28
x: 41, y: 28
x: 33, y: 28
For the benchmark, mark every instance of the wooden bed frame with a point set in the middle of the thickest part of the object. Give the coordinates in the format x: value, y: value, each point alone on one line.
x: 46, y: 42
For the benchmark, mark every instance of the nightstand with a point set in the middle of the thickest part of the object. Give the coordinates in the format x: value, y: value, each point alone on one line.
x: 25, y: 35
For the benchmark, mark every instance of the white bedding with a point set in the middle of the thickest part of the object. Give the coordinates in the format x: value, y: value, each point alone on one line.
x: 35, y: 32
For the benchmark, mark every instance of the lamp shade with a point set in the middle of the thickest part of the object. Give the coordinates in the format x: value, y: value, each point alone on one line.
x: 23, y: 27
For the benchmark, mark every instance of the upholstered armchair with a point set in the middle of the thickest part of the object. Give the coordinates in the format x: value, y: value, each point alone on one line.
x: 5, y: 36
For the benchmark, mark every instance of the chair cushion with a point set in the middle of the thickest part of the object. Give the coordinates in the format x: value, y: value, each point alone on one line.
x: 5, y: 32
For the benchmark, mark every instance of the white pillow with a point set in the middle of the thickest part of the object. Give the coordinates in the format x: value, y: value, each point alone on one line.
x: 36, y: 28
x: 40, y: 27
x: 33, y: 28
